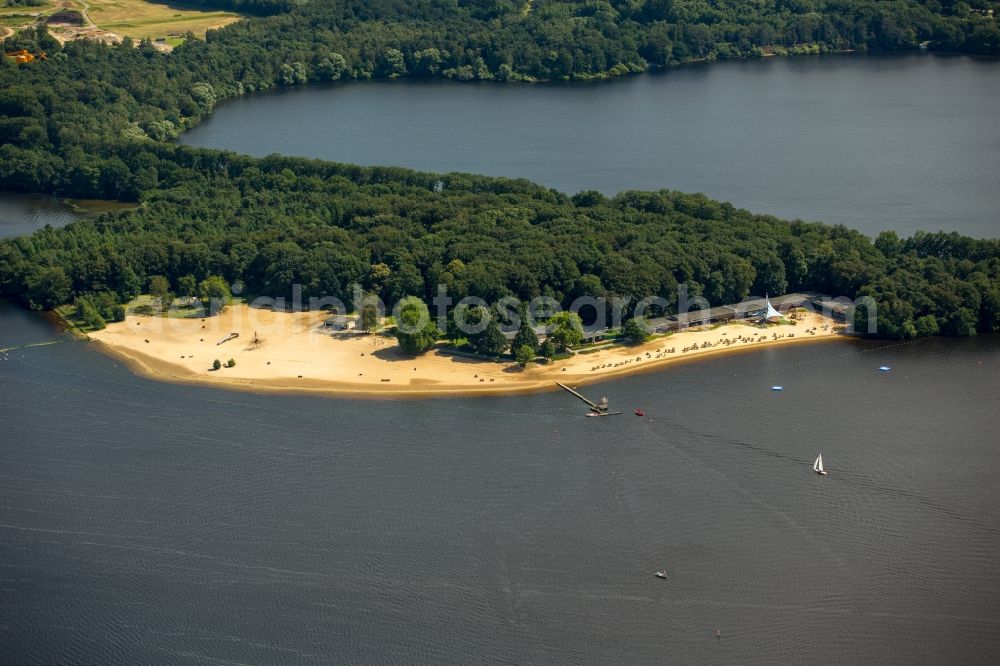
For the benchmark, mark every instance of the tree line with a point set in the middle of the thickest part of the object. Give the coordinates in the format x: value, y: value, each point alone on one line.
x: 277, y: 222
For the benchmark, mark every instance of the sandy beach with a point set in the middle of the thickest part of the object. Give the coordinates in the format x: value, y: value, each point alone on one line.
x: 293, y: 352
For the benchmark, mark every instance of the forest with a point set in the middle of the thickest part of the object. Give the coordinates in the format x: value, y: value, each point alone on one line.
x: 254, y: 7
x: 97, y: 121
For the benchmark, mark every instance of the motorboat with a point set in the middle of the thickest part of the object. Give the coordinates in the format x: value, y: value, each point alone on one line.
x: 661, y: 573
x: 639, y: 412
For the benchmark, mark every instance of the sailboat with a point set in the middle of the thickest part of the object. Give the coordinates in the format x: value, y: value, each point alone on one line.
x: 818, y: 465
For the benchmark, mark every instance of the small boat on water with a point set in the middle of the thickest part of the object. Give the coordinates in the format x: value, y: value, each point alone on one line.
x: 818, y: 465
x: 884, y: 368
x: 777, y: 388
x: 661, y: 574
x: 639, y: 412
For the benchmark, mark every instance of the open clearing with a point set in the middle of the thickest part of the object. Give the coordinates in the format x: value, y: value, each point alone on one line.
x: 112, y: 19
x: 139, y: 18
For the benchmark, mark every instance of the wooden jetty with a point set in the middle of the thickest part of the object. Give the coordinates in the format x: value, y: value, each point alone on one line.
x: 596, y: 408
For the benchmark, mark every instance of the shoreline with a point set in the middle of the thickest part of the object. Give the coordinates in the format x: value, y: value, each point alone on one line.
x: 296, y: 356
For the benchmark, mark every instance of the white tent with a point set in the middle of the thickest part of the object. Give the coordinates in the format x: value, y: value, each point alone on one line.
x: 771, y: 313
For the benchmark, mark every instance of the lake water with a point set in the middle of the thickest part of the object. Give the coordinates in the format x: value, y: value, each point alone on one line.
x: 146, y: 522
x: 904, y: 142
x: 24, y: 213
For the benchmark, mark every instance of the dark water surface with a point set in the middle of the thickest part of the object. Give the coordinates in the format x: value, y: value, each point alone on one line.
x: 904, y: 142
x: 24, y: 213
x: 148, y: 522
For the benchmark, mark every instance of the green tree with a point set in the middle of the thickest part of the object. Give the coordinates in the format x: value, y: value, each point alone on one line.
x: 292, y: 74
x: 525, y: 337
x: 636, y: 330
x: 187, y: 286
x: 467, y: 322
x: 491, y: 341
x: 961, y: 322
x: 415, y: 330
x: 378, y: 276
x: 204, y: 95
x: 524, y: 355
x: 658, y: 10
x: 428, y: 62
x: 926, y: 325
x: 393, y: 64
x: 231, y: 363
x: 216, y: 364
x: 480, y: 326
x: 215, y: 288
x: 331, y: 67
x: 48, y: 287
x: 88, y: 313
x: 565, y: 329
x: 548, y: 349
x: 368, y: 317
x: 107, y: 305
x: 888, y: 243
x: 159, y: 288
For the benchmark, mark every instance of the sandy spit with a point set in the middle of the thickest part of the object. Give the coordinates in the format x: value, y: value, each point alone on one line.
x: 292, y: 352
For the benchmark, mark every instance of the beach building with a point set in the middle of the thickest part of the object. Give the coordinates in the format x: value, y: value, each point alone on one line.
x: 757, y: 308
x: 592, y: 334
x: 830, y: 307
x: 754, y: 309
x: 684, y: 320
x: 540, y: 332
x: 766, y: 313
x: 340, y: 323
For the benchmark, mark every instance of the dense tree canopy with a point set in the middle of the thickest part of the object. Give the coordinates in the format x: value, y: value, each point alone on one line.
x: 96, y: 121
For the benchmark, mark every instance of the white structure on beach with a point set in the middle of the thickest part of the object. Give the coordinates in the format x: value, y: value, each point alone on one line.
x: 770, y: 313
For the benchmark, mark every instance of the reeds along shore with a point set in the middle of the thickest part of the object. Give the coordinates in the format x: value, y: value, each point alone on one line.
x: 279, y: 351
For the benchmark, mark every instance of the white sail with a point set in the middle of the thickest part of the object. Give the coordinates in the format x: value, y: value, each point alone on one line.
x: 770, y: 312
x: 818, y: 465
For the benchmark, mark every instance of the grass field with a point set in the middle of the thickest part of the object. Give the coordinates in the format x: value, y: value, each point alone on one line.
x: 138, y: 18
x: 16, y: 20
x: 18, y: 17
x: 131, y: 18
x: 5, y: 12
